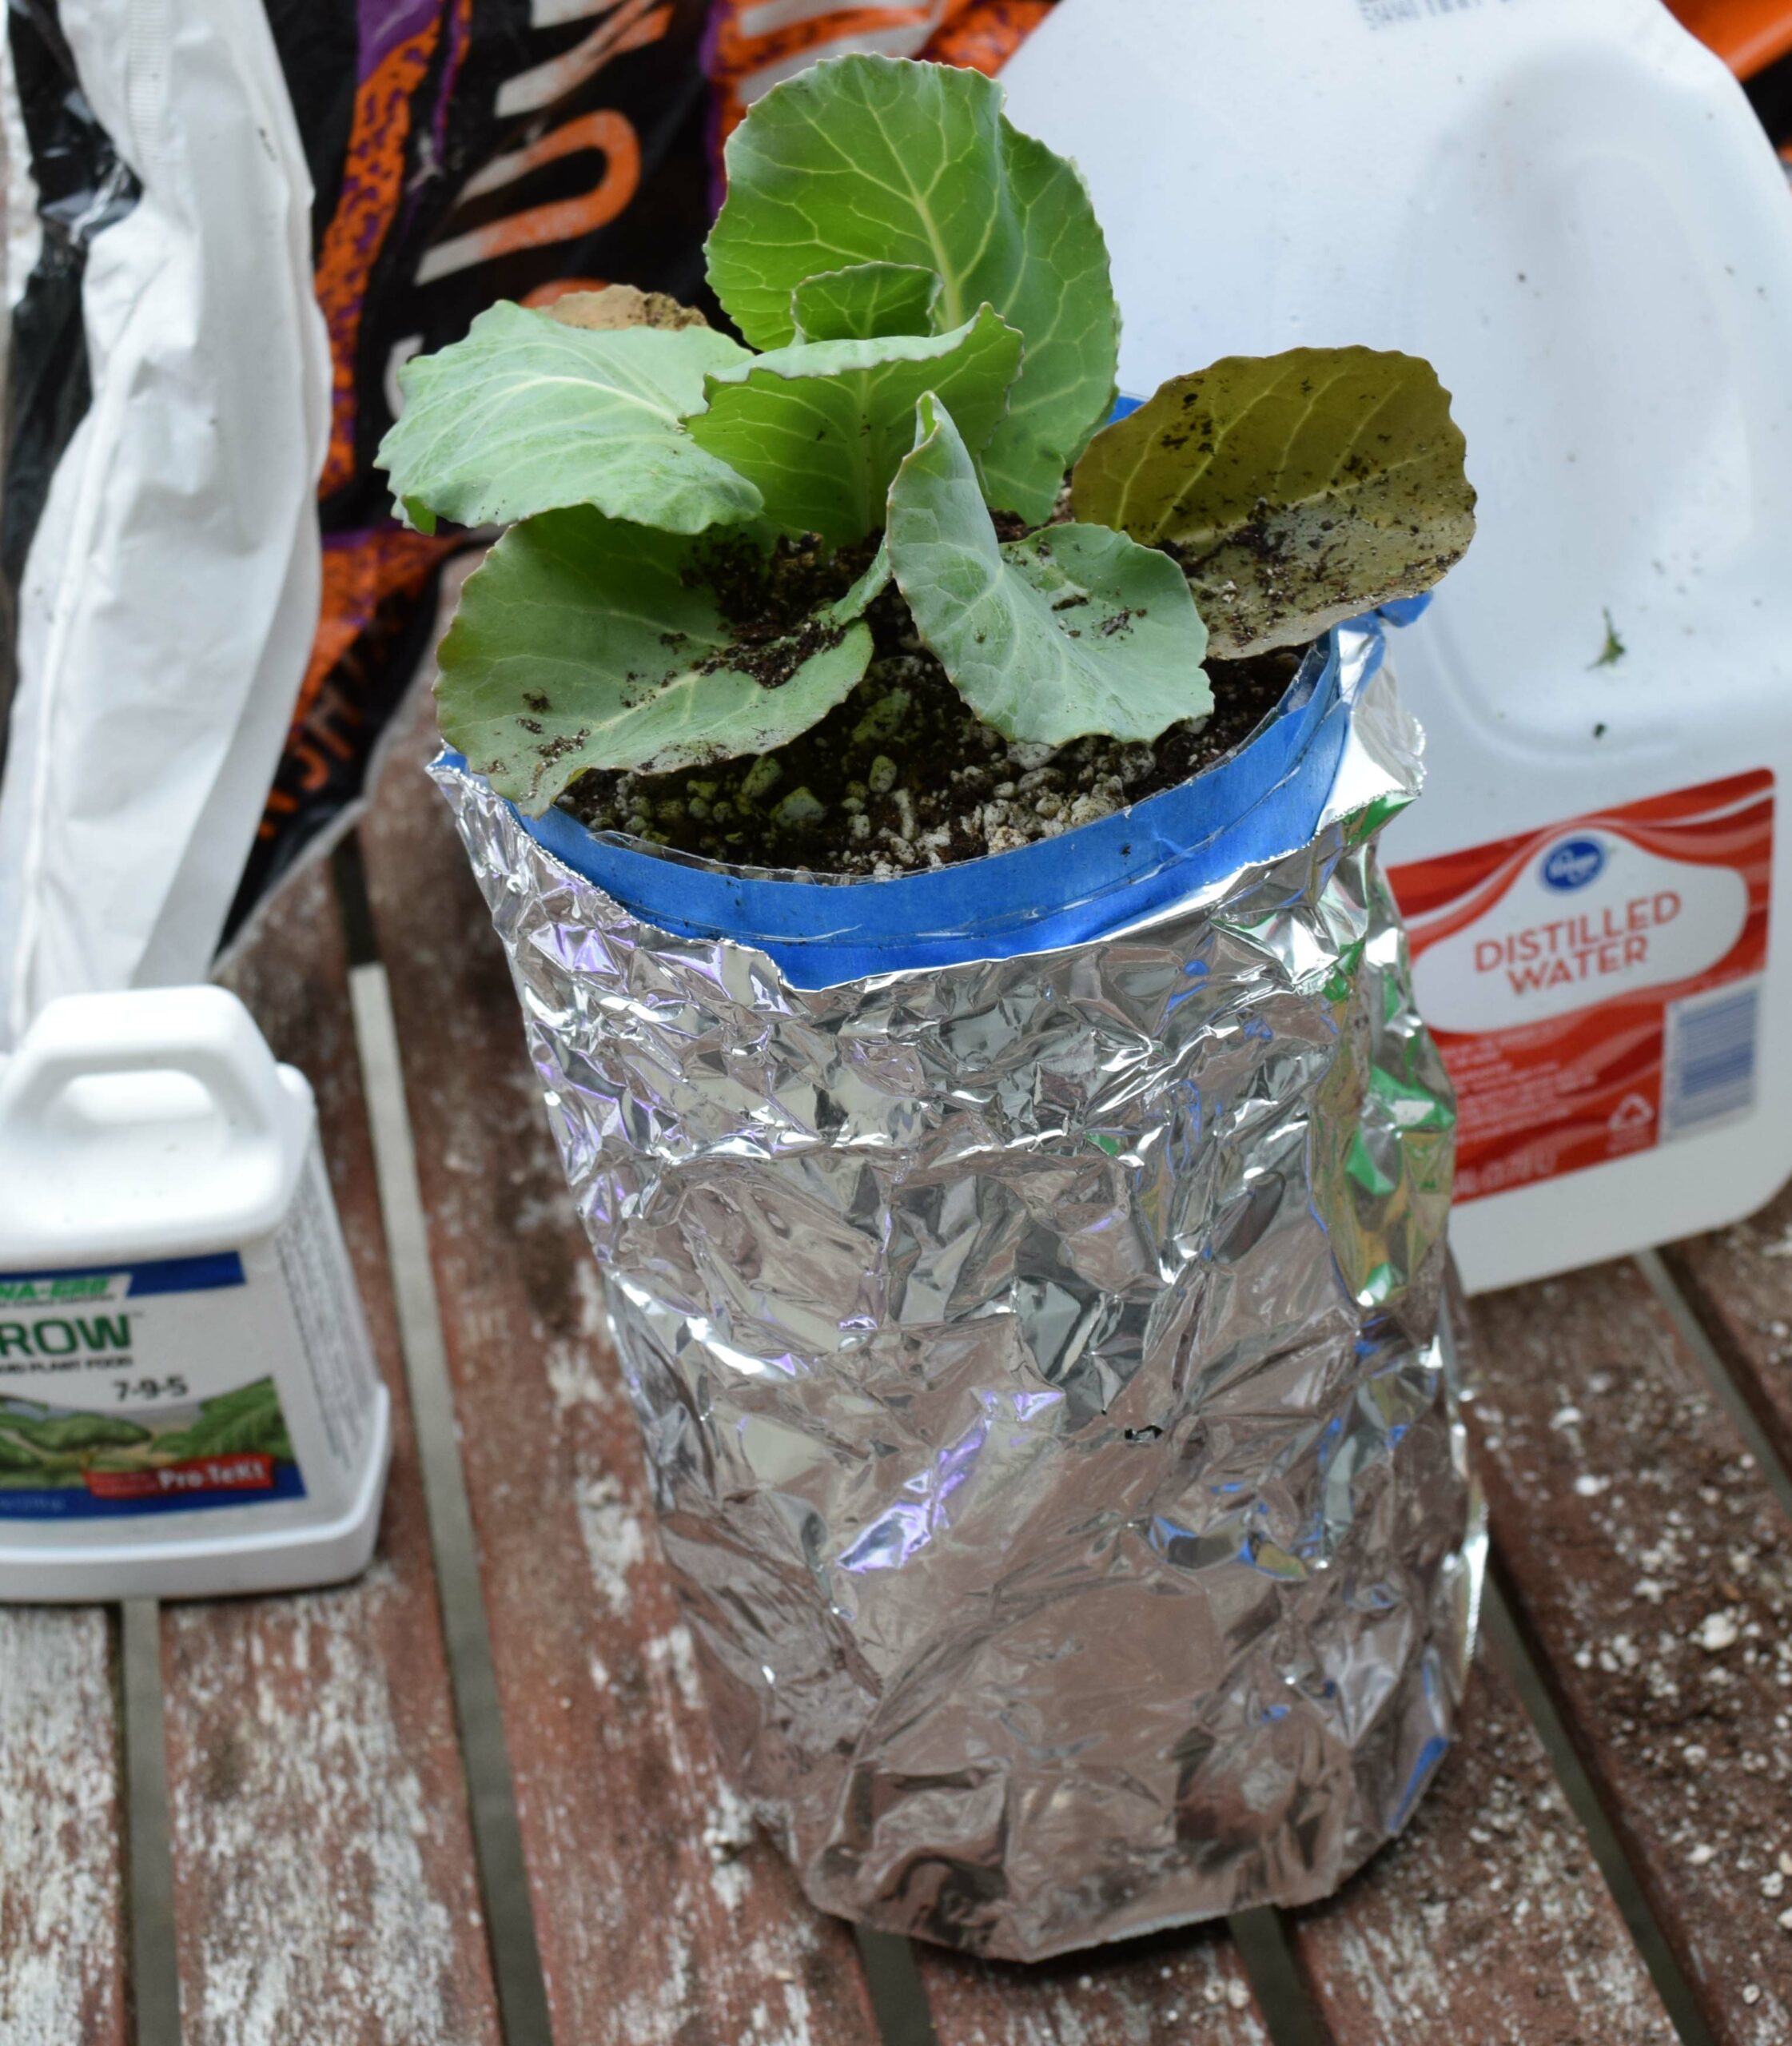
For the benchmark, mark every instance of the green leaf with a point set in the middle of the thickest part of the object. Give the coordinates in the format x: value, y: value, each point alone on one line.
x: 871, y: 584
x: 585, y: 642
x: 1297, y: 490
x: 528, y: 415
x: 864, y: 159
x: 865, y: 301
x: 1074, y: 629
x: 822, y: 427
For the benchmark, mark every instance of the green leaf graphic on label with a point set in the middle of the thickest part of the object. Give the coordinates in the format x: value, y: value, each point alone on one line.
x: 822, y: 427
x: 1073, y: 630
x: 72, y: 1452
x: 1297, y: 490
x: 585, y: 642
x: 867, y: 159
x: 865, y: 301
x: 527, y: 414
x: 247, y: 1422
x: 68, y: 1434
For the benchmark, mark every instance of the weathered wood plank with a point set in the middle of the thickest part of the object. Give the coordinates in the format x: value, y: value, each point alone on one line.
x: 1738, y: 1283
x: 1487, y: 1918
x: 62, y: 1962
x: 1182, y: 1985
x: 324, y: 1882
x: 1652, y: 1571
x: 659, y: 1918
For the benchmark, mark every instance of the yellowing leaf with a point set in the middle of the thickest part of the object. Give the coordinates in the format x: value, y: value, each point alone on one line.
x: 1296, y: 490
x: 616, y: 306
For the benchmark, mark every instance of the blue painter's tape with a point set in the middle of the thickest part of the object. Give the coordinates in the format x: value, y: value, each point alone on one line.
x: 1402, y: 610
x: 1424, y: 1768
x: 1262, y: 800
x: 162, y: 1275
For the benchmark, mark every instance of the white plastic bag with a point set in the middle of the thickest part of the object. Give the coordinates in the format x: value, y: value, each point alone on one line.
x: 171, y: 588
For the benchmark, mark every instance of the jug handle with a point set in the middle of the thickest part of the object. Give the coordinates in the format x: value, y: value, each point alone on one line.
x: 203, y: 1033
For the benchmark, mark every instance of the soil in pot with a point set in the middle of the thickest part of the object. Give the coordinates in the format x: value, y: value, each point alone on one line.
x: 903, y: 775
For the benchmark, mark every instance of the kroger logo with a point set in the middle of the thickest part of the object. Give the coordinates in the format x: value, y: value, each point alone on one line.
x: 1574, y: 863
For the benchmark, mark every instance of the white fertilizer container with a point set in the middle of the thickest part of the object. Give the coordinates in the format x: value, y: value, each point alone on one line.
x: 188, y: 1403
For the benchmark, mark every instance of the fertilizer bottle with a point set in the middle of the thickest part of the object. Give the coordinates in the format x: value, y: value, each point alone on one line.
x: 1569, y: 207
x: 188, y: 1403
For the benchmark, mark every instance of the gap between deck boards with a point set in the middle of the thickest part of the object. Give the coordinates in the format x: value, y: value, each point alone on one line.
x: 1502, y: 1635
x: 492, y: 1798
x: 149, y: 1863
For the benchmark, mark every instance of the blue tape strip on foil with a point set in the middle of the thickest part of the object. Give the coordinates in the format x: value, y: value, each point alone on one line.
x: 1261, y: 801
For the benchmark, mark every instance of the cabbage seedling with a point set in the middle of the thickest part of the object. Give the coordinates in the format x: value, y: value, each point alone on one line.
x: 929, y: 353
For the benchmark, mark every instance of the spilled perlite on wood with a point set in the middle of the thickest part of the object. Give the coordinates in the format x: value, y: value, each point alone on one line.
x: 1739, y: 1283
x: 1176, y: 1986
x: 1651, y: 1568
x: 1487, y: 1920
x: 61, y: 1890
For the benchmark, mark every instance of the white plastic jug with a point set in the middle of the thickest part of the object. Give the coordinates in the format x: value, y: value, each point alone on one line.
x: 188, y: 1403
x: 1569, y: 207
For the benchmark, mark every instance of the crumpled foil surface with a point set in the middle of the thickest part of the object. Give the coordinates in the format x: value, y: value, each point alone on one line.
x: 1038, y: 1363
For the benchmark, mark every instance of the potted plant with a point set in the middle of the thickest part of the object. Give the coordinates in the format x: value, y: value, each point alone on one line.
x: 931, y: 822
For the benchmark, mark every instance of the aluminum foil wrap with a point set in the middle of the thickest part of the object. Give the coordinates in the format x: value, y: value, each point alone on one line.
x: 1038, y: 1365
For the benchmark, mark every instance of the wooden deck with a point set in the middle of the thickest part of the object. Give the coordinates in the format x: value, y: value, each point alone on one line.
x: 471, y: 1798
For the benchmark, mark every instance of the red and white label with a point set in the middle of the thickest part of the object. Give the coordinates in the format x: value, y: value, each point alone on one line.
x: 1594, y: 988
x: 248, y: 1473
